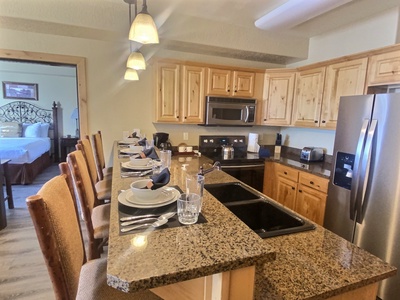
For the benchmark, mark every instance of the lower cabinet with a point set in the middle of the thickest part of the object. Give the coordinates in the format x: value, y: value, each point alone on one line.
x: 299, y: 191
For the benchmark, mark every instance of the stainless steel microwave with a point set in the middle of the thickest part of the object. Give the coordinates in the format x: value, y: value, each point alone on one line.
x: 224, y: 111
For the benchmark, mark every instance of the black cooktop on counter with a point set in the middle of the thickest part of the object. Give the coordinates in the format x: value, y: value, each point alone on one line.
x: 211, y: 146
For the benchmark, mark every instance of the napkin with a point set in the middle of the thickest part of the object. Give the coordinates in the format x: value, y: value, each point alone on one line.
x: 159, y: 180
x: 151, y: 153
x: 142, y: 142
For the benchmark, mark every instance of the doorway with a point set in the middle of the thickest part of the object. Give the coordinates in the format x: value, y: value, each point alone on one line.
x: 78, y: 62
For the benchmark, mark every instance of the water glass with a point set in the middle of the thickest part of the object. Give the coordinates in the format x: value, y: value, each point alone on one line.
x: 188, y: 208
x: 165, y: 158
x: 195, y: 184
x: 149, y: 144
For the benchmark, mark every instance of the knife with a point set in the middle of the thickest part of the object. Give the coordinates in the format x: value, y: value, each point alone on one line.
x: 131, y: 218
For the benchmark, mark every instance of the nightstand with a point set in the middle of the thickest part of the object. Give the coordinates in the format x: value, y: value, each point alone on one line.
x: 67, y: 145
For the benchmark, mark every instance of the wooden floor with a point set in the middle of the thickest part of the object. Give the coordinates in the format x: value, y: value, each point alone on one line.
x: 23, y: 273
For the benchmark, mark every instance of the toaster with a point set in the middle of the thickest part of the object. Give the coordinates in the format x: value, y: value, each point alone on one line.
x: 312, y: 154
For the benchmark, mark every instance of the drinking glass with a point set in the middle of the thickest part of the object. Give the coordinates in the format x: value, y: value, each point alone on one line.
x: 195, y: 184
x: 188, y: 206
x: 165, y: 158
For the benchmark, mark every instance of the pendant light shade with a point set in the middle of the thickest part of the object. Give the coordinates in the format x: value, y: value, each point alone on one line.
x: 143, y: 29
x: 136, y: 61
x: 131, y: 74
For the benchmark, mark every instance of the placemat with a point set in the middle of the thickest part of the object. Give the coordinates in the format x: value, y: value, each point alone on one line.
x: 126, y: 211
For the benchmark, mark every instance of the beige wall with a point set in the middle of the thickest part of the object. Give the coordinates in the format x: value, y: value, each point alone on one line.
x: 116, y: 105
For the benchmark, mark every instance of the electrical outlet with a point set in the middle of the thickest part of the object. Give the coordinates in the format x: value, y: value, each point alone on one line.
x: 185, y: 136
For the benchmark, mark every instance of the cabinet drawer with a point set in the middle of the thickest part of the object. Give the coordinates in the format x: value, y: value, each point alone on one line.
x: 287, y: 172
x: 313, y: 181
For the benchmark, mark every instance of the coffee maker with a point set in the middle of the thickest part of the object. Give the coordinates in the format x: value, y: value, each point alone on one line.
x: 161, y: 141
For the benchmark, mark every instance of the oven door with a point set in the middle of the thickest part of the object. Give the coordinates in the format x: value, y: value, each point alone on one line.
x: 251, y: 174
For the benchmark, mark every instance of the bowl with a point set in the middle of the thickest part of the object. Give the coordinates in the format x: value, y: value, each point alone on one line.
x: 138, y: 189
x: 131, y: 140
x: 139, y: 162
x: 136, y: 149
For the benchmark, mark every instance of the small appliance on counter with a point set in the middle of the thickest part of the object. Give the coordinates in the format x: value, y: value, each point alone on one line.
x: 161, y: 141
x: 252, y: 145
x: 311, y: 154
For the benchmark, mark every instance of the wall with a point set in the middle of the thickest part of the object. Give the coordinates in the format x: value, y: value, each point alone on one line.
x: 55, y: 83
x: 115, y: 105
x: 379, y: 31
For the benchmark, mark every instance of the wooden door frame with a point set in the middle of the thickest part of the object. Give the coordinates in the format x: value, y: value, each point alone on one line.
x: 79, y: 62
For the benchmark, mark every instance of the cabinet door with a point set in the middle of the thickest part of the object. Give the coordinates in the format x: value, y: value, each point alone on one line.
x: 278, y: 98
x: 269, y: 186
x: 384, y: 68
x: 311, y: 204
x: 168, y: 98
x: 342, y: 79
x: 219, y: 82
x: 308, y: 97
x: 193, y: 99
x: 286, y: 192
x: 243, y: 84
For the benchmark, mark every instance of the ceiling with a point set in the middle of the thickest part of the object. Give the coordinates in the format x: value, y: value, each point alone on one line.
x: 222, y: 28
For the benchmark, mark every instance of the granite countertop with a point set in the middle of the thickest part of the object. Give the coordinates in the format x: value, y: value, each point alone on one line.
x: 309, y: 265
x: 140, y: 261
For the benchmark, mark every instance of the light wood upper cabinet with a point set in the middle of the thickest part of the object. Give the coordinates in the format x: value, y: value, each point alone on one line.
x: 230, y: 83
x: 384, y: 69
x: 278, y: 97
x: 193, y: 81
x: 308, y: 97
x: 168, y: 92
x: 180, y: 93
x: 342, y: 79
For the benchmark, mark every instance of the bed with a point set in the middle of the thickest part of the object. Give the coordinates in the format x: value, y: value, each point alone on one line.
x: 29, y: 137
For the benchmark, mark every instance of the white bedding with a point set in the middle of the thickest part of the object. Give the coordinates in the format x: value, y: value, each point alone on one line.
x: 22, y: 149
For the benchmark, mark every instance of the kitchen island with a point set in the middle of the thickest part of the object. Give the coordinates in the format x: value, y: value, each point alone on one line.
x: 310, y: 265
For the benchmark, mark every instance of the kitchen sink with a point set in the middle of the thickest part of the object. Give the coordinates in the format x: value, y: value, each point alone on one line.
x: 262, y: 215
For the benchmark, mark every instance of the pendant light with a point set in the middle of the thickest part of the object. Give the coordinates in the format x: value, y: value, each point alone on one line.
x: 131, y: 74
x: 143, y: 29
x: 135, y: 60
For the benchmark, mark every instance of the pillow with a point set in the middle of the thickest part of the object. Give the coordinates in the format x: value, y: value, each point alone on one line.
x: 10, y: 129
x: 32, y: 130
x: 44, y: 130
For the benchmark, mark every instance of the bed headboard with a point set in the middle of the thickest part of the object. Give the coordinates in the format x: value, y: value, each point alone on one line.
x: 24, y: 112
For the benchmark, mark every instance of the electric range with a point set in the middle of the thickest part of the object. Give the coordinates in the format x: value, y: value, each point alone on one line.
x: 244, y: 166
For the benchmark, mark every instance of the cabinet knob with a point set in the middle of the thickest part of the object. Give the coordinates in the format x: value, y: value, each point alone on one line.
x: 316, y: 121
x: 323, y: 121
x: 285, y: 172
x: 311, y: 182
x: 293, y: 188
x: 300, y: 191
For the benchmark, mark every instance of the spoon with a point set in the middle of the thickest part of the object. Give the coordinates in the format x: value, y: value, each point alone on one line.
x: 162, y: 217
x: 154, y: 225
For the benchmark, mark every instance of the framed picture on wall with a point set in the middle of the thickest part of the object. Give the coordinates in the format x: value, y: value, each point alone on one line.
x: 19, y: 90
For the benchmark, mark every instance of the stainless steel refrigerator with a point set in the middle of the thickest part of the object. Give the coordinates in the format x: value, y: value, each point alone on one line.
x: 363, y: 203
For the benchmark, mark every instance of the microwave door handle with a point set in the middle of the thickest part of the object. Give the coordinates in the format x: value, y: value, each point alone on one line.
x: 247, y: 113
x: 365, y: 170
x: 356, y: 169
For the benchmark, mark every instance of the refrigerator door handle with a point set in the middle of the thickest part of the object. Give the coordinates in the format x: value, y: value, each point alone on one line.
x: 365, y: 168
x: 356, y: 169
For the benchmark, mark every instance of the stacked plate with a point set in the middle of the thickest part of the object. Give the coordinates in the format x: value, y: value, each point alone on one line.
x: 129, y: 165
x: 167, y: 196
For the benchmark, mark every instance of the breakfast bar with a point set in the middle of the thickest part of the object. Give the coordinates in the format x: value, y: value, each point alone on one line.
x: 222, y: 257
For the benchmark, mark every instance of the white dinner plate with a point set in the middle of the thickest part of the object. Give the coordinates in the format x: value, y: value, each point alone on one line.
x: 165, y: 196
x: 122, y: 198
x: 128, y: 142
x: 129, y: 151
x: 127, y: 165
